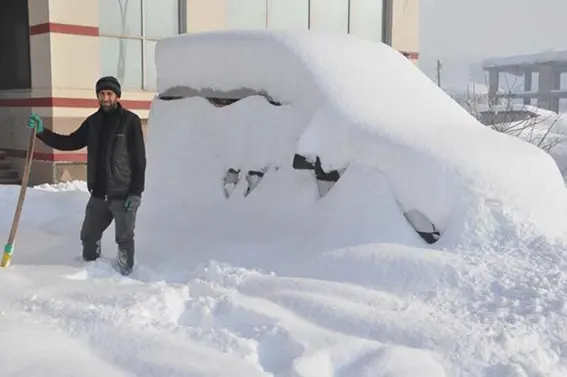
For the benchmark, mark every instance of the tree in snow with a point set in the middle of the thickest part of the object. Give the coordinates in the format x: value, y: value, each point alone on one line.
x: 543, y: 128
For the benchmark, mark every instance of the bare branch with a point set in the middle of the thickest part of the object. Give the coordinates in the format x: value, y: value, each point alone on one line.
x: 533, y: 125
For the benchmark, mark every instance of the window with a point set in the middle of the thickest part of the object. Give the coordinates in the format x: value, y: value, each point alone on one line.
x: 246, y: 14
x: 15, y: 64
x: 288, y: 14
x: 330, y: 15
x: 366, y: 19
x: 129, y: 31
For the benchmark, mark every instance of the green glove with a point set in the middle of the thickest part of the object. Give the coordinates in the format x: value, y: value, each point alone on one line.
x: 35, y: 122
x: 132, y: 203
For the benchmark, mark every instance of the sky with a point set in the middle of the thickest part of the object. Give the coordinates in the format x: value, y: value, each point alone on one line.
x: 460, y: 32
x: 482, y: 28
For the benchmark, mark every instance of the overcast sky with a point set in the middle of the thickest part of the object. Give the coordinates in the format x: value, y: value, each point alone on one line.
x: 483, y: 28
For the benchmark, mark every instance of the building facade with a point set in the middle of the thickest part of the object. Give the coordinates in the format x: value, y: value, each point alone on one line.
x: 547, y: 68
x: 55, y: 50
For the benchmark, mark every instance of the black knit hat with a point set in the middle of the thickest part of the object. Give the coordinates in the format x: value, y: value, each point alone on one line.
x: 109, y: 83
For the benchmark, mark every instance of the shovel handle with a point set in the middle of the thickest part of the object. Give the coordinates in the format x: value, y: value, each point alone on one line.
x: 9, y: 248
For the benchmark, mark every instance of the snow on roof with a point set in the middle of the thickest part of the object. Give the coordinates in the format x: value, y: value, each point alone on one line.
x: 529, y: 59
x: 369, y: 105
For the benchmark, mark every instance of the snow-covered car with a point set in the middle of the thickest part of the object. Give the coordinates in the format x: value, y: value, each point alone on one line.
x: 244, y: 113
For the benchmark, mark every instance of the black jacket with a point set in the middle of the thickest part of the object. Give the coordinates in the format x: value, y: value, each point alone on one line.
x: 123, y: 155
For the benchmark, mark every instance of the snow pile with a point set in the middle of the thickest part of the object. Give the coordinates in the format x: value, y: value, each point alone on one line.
x: 64, y: 186
x: 289, y: 302
x: 559, y: 154
x: 360, y: 104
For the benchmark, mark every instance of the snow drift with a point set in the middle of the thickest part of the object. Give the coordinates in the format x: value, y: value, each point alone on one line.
x: 353, y: 104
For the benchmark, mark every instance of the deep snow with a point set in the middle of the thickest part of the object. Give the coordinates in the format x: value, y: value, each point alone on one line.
x: 289, y: 304
x: 282, y: 282
x: 289, y: 300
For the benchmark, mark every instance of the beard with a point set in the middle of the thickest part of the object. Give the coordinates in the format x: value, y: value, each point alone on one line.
x: 107, y: 106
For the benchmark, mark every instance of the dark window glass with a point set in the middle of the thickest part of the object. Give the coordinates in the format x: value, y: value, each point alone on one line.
x: 15, y: 71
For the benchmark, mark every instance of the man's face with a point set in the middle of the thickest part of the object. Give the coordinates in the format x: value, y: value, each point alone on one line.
x: 107, y: 99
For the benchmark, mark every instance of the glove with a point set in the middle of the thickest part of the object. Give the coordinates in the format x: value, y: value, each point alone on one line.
x: 35, y: 122
x: 132, y: 203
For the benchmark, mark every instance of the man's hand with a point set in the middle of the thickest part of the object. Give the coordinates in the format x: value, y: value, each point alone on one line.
x: 132, y: 203
x: 35, y: 121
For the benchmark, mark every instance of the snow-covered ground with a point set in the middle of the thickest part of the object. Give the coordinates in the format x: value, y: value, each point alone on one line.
x: 285, y: 302
x: 283, y: 282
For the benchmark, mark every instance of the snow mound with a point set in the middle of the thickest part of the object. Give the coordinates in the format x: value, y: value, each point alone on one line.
x: 350, y: 102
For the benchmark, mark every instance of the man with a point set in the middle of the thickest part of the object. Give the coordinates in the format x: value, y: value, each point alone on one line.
x: 116, y: 165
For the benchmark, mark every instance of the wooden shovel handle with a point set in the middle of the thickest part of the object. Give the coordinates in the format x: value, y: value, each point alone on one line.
x: 19, y: 206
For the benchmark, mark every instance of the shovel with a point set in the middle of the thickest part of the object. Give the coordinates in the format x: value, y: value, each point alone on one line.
x: 9, y: 248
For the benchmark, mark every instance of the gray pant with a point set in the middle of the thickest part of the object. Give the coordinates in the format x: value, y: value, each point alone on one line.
x: 98, y: 216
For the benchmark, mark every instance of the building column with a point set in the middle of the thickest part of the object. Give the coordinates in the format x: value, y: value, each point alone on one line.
x: 544, y: 87
x: 405, y: 28
x: 493, y: 86
x: 17, y: 105
x: 528, y: 76
x: 555, y: 85
x: 65, y: 64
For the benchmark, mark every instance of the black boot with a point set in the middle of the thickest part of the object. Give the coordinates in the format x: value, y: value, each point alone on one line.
x: 91, y: 252
x: 125, y: 260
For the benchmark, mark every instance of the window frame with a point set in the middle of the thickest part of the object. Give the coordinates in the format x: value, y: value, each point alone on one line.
x: 310, y: 14
x: 387, y: 21
x: 181, y: 28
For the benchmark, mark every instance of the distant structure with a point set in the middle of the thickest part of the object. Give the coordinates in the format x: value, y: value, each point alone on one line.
x: 547, y: 65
